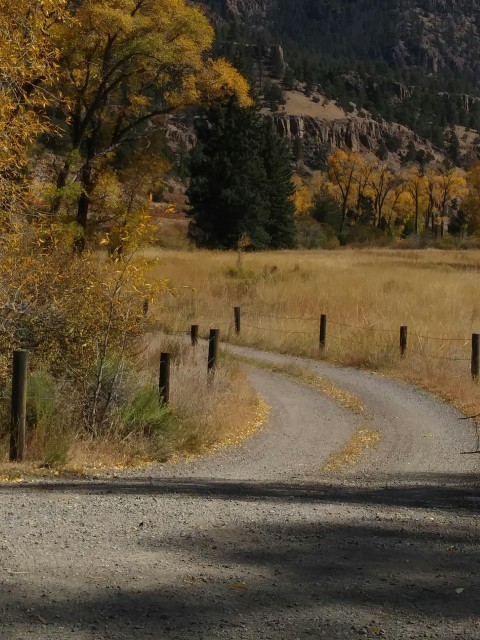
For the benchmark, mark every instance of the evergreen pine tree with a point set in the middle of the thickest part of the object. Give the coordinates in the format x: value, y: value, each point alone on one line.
x: 228, y: 180
x: 289, y: 80
x: 241, y: 182
x: 280, y: 189
x: 277, y: 65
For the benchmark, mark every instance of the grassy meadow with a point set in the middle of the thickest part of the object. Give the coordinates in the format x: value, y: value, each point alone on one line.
x: 366, y: 294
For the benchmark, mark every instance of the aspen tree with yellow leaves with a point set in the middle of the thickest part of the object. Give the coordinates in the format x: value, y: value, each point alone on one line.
x: 342, y: 169
x: 451, y: 185
x: 109, y: 69
x: 28, y: 61
x: 382, y: 186
x: 373, y: 193
x: 443, y: 187
x: 416, y: 185
x: 125, y: 65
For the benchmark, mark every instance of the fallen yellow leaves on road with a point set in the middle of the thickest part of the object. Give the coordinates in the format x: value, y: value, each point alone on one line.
x: 354, y: 449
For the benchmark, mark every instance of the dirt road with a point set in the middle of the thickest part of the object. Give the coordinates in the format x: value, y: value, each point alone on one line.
x: 259, y: 542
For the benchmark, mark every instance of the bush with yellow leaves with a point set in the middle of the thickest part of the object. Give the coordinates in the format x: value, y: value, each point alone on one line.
x: 79, y: 316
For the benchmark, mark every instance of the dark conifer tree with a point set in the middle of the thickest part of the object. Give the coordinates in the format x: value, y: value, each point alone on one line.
x: 241, y: 182
x: 228, y: 180
x: 280, y: 189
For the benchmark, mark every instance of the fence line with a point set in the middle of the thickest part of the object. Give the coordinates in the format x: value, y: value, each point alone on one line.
x: 358, y: 328
x: 377, y: 345
x: 314, y: 319
x: 288, y: 332
x: 402, y: 345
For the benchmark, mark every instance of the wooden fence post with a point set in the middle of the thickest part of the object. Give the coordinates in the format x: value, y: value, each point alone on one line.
x: 403, y: 340
x: 194, y: 334
x: 323, y: 332
x: 19, y: 405
x: 164, y: 378
x: 213, y: 350
x: 237, y: 314
x: 475, y: 356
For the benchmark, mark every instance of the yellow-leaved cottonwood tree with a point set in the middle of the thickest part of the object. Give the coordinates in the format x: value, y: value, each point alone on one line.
x: 426, y: 198
x: 342, y: 169
x: 28, y: 62
x: 74, y: 313
x: 126, y: 64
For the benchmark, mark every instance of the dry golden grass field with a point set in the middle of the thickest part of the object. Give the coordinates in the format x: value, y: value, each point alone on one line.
x: 366, y: 294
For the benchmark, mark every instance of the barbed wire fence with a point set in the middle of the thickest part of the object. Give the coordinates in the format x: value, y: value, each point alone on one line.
x: 320, y: 333
x: 403, y: 346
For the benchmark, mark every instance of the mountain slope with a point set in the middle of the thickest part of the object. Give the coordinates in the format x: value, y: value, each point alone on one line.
x: 438, y: 36
x: 412, y: 63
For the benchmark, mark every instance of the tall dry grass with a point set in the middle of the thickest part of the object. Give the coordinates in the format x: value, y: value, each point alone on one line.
x: 203, y: 414
x: 367, y: 295
x: 210, y: 411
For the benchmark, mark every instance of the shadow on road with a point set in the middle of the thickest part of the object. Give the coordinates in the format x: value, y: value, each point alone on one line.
x: 295, y: 570
x: 443, y: 491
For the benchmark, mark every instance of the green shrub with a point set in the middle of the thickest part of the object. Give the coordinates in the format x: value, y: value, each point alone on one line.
x: 314, y: 235
x: 49, y: 418
x: 146, y: 415
x: 41, y: 400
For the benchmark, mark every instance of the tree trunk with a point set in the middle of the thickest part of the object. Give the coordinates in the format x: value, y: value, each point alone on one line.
x: 61, y: 183
x: 86, y: 178
x: 344, y: 218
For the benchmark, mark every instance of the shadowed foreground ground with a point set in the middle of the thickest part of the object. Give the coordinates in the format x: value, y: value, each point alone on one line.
x: 258, y: 543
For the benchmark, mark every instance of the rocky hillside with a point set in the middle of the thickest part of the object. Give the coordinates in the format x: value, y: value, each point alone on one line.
x: 407, y: 70
x: 434, y: 35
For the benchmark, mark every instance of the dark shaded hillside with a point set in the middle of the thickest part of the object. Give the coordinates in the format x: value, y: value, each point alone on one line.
x: 437, y: 36
x: 415, y: 62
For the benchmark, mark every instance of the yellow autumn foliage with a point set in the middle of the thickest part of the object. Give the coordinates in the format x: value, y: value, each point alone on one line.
x: 28, y: 59
x: 126, y: 66
x: 397, y: 197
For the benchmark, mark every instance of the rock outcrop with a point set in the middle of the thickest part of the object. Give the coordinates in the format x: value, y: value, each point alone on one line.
x: 356, y: 134
x: 248, y: 8
x: 362, y: 135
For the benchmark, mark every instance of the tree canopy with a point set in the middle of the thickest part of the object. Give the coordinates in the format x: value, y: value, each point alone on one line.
x: 125, y: 65
x: 28, y: 62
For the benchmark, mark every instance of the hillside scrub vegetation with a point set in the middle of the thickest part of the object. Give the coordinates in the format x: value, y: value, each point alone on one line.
x: 413, y: 63
x: 74, y: 294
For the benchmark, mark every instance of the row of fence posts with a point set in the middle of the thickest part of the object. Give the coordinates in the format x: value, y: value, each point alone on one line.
x: 475, y: 368
x: 20, y: 365
x: 164, y: 376
x: 18, y: 410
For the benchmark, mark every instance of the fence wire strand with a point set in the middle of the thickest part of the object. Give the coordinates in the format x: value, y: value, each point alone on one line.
x: 351, y: 326
x: 416, y: 335
x: 431, y: 355
x: 229, y: 325
x: 378, y: 346
x: 286, y: 331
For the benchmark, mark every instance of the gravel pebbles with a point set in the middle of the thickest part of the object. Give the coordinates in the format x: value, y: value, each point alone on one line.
x: 257, y: 542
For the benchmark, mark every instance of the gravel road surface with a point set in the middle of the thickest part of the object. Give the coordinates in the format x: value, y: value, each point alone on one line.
x: 257, y: 542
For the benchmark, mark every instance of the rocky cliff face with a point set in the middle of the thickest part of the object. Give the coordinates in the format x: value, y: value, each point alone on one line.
x: 350, y: 133
x: 355, y: 134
